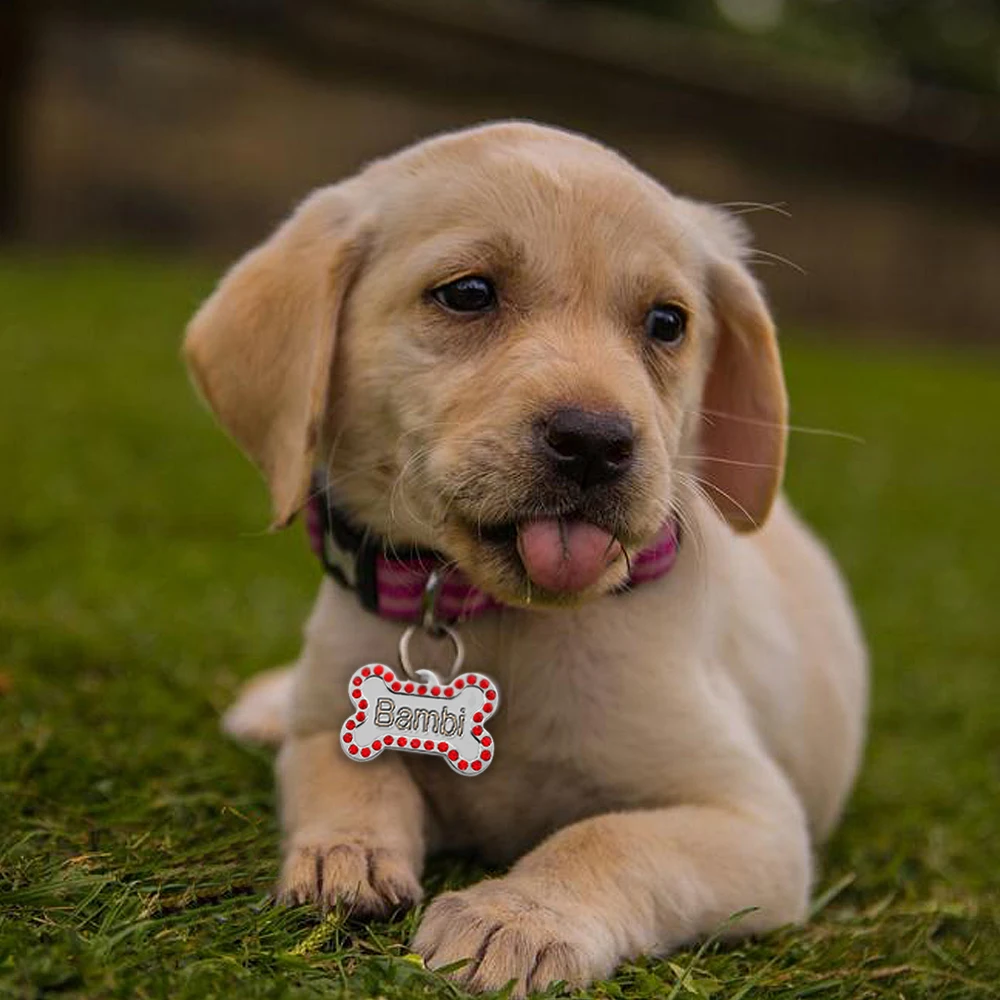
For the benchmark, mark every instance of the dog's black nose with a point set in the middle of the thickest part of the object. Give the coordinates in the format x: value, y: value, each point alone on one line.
x: 586, y: 447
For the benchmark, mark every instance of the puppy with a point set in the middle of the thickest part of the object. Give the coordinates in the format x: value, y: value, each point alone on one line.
x: 510, y: 349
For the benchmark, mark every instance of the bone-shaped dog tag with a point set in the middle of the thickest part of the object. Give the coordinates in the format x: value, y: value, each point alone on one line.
x: 421, y: 716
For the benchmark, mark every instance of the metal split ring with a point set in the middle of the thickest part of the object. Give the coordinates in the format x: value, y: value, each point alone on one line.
x: 440, y: 632
x: 434, y: 628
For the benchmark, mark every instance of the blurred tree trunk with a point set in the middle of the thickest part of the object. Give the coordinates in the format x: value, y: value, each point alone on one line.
x: 15, y: 31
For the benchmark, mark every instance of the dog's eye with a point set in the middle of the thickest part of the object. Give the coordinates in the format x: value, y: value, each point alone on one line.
x: 666, y: 324
x: 472, y: 294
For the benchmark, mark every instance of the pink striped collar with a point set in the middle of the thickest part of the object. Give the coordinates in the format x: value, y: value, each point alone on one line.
x: 393, y: 586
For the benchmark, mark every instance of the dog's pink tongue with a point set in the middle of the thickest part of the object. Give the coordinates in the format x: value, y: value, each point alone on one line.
x: 565, y: 555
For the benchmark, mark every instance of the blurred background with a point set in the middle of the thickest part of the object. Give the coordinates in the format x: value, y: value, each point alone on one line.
x: 872, y: 126
x: 144, y: 144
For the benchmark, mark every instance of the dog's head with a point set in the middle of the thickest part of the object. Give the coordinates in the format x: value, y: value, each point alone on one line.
x: 506, y: 344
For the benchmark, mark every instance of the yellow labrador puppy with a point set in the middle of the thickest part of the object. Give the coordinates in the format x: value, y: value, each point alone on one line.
x: 511, y: 350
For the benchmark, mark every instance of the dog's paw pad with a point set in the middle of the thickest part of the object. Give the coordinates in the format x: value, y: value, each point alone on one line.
x: 368, y: 881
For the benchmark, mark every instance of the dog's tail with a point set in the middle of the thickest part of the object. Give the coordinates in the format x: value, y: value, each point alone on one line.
x: 260, y: 712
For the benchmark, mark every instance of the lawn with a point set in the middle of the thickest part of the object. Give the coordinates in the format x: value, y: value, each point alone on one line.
x: 137, y: 588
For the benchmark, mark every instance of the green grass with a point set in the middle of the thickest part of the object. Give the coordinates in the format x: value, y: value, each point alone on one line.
x: 137, y: 588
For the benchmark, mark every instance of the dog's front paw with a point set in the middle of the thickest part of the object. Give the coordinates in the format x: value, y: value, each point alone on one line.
x: 370, y: 881
x: 507, y: 932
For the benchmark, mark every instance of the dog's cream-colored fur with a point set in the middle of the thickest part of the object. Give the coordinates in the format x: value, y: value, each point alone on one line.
x: 665, y: 758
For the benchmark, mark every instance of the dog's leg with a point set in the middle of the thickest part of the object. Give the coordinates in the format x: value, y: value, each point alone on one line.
x: 619, y: 885
x: 353, y: 833
x: 260, y: 712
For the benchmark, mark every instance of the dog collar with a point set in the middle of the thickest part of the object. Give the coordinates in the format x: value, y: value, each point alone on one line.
x: 391, y: 582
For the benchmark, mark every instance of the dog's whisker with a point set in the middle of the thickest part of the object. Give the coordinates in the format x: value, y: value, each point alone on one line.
x: 691, y: 526
x: 727, y: 461
x: 706, y: 488
x: 705, y: 412
x: 628, y: 558
x: 397, y: 486
x: 758, y: 256
x: 746, y: 207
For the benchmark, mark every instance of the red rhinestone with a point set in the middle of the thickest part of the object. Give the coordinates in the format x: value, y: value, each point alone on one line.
x: 459, y: 684
x: 422, y: 689
x: 491, y: 694
x: 387, y: 677
x: 476, y: 765
x: 396, y: 686
x: 428, y: 744
x: 366, y: 672
x: 452, y: 755
x: 476, y: 730
x: 388, y: 741
x: 442, y: 747
x: 485, y: 755
x: 472, y: 678
x: 448, y: 692
x: 414, y: 743
x: 350, y: 723
x: 377, y: 745
x: 353, y: 749
x: 484, y: 683
x: 408, y: 687
x: 478, y: 717
x: 378, y: 670
x: 360, y: 717
x: 463, y: 765
x: 348, y: 737
x: 356, y: 682
x: 366, y: 752
x: 435, y: 690
x: 486, y: 741
x: 362, y: 703
x: 488, y: 707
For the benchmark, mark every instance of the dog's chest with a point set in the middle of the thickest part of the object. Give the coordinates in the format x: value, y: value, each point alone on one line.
x: 512, y: 807
x: 576, y: 735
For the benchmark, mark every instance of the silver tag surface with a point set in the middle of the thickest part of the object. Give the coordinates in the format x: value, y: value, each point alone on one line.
x: 424, y: 715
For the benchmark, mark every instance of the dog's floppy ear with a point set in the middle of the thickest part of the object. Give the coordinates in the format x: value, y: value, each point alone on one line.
x: 744, y: 404
x: 260, y: 349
